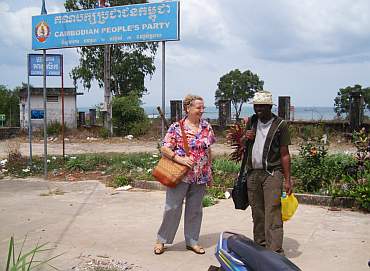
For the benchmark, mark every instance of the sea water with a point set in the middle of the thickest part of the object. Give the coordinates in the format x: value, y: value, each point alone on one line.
x: 299, y: 113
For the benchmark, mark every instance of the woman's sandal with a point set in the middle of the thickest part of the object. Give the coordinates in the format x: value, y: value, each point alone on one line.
x: 196, y: 249
x: 158, y: 249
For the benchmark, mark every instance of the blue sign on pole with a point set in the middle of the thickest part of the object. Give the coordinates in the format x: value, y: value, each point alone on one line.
x: 37, y: 114
x: 113, y: 25
x: 53, y: 65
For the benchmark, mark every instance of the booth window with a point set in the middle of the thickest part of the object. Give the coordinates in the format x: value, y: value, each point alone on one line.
x: 52, y: 99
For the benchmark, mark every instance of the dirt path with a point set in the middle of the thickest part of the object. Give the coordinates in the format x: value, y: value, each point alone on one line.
x: 122, y: 145
x: 125, y: 146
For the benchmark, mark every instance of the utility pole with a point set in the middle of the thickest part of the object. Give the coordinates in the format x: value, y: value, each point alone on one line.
x: 107, y: 89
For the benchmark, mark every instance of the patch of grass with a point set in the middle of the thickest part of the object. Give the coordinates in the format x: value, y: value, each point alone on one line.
x: 216, y: 192
x: 208, y: 201
x: 225, y: 166
x: 54, y: 128
x: 103, y: 132
x: 122, y: 180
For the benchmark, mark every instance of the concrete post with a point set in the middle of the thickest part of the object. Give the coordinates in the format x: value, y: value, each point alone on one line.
x: 356, y: 110
x: 176, y: 110
x: 92, y: 114
x: 284, y: 107
x: 81, y: 119
x: 224, y: 112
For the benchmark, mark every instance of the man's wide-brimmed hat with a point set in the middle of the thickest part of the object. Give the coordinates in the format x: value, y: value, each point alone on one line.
x: 262, y: 97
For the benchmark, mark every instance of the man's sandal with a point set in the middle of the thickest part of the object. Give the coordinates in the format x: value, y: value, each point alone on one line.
x: 158, y: 249
x: 196, y: 249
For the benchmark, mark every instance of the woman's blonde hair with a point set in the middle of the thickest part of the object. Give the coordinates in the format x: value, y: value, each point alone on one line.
x: 188, y: 100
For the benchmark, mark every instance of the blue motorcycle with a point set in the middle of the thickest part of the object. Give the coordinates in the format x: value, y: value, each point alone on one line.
x: 236, y: 252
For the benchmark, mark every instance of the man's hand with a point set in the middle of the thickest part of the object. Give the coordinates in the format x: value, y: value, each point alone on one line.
x: 288, y: 185
x: 250, y: 134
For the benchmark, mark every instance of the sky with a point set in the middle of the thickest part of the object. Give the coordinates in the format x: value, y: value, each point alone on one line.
x: 306, y: 49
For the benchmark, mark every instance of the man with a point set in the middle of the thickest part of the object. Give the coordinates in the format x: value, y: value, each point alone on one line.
x: 268, y: 165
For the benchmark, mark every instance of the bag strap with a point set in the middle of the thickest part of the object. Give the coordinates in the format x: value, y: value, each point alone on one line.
x: 244, y: 161
x: 184, y: 138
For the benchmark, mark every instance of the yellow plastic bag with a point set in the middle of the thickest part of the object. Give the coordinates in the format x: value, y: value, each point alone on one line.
x: 289, y: 205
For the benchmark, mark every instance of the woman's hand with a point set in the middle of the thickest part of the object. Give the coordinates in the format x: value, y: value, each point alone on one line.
x: 184, y: 160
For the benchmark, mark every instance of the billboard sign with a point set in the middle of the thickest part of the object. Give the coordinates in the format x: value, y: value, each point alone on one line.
x: 53, y: 65
x: 112, y: 25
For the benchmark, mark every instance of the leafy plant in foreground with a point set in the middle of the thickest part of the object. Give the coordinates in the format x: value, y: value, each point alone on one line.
x: 26, y: 260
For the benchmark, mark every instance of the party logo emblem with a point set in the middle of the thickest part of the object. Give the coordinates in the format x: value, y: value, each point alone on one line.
x: 42, y: 31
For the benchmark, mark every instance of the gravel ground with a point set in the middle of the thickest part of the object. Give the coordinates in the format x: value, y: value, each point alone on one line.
x: 105, y: 263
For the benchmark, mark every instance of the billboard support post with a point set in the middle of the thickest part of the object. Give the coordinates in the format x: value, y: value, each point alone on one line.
x: 45, y: 118
x: 29, y: 110
x: 163, y: 85
x: 62, y: 95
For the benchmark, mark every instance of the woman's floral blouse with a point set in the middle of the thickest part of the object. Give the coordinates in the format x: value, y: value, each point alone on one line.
x: 199, y: 144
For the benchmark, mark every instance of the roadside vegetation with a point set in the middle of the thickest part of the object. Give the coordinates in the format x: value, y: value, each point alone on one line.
x: 313, y: 170
x: 27, y: 260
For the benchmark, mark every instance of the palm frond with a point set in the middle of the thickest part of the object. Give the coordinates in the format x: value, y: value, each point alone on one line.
x: 236, y: 138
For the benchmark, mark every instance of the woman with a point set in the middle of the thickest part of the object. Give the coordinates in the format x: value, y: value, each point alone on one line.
x: 192, y: 188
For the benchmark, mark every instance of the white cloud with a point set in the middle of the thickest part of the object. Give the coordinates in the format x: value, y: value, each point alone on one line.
x: 203, y: 24
x: 316, y: 30
x: 14, y: 25
x: 306, y: 49
x: 16, y: 31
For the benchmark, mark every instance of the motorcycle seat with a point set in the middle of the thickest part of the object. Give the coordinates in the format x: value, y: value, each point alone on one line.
x: 256, y: 257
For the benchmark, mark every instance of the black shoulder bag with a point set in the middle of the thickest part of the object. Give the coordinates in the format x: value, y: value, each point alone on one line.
x: 240, y: 191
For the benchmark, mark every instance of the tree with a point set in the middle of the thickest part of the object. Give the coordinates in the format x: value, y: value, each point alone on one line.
x: 341, y: 102
x: 130, y: 63
x: 238, y: 87
x: 9, y: 105
x: 128, y: 116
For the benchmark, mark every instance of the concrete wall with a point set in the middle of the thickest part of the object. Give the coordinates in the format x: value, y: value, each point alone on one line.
x: 54, y: 111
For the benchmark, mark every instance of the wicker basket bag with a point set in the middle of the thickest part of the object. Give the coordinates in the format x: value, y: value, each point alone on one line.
x: 167, y: 171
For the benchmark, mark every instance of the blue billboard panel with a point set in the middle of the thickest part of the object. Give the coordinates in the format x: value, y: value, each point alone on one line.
x: 53, y: 65
x: 37, y: 114
x: 113, y: 25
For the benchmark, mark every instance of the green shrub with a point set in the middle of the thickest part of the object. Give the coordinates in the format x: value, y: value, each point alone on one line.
x: 138, y: 128
x: 128, y: 116
x: 87, y: 162
x: 359, y: 190
x: 308, y: 167
x: 224, y: 172
x: 225, y: 165
x: 103, y: 132
x: 76, y: 165
x: 122, y: 180
x: 54, y: 128
x: 361, y: 193
x: 293, y: 131
x: 310, y: 132
x: 208, y: 201
x: 216, y: 192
